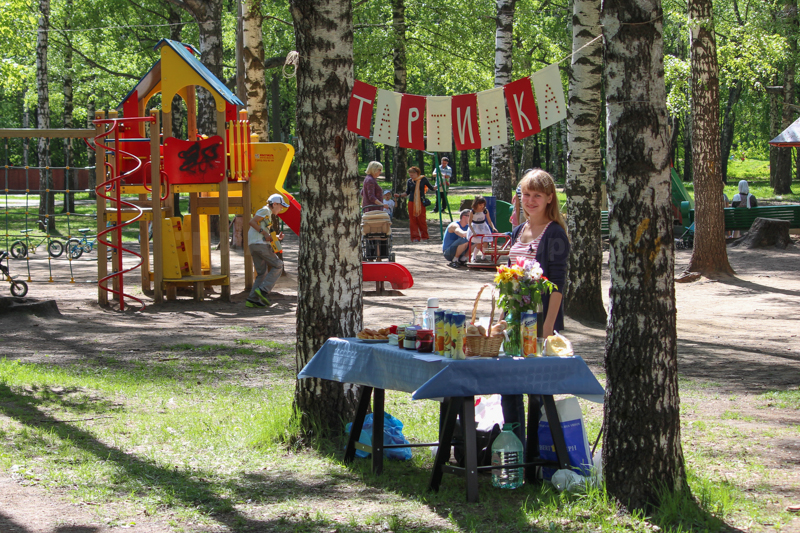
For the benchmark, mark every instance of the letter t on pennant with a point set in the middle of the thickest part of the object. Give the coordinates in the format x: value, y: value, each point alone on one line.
x: 359, y: 113
x: 522, y: 108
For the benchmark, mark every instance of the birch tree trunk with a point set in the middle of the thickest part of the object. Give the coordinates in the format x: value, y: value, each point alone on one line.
x: 502, y: 174
x: 46, y: 199
x: 70, y: 175
x: 254, y: 80
x: 641, y: 445
x: 709, y: 254
x: 783, y: 174
x: 584, y: 295
x: 208, y: 14
x: 400, y: 84
x: 329, y: 283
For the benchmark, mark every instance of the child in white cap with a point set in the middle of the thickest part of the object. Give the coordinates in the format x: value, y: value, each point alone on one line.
x: 258, y: 238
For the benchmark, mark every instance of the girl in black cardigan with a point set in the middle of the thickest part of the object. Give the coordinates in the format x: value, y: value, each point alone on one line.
x: 542, y: 237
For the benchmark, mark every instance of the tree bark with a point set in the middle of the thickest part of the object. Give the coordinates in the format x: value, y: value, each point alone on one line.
x: 464, y: 157
x: 478, y: 157
x: 329, y: 284
x: 641, y: 445
x: 208, y: 14
x: 584, y: 293
x: 775, y: 117
x: 400, y: 85
x: 783, y: 174
x: 254, y: 80
x: 70, y: 174
x: 709, y: 254
x: 275, y: 108
x: 90, y: 149
x: 502, y: 174
x: 728, y: 123
x: 687, y: 146
x: 47, y: 201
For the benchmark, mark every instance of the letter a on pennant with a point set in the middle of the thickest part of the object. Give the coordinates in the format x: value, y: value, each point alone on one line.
x: 439, y: 126
x: 386, y: 118
x: 549, y: 95
x: 412, y: 122
x: 359, y: 113
x: 494, y: 128
x: 522, y: 108
x: 465, y: 121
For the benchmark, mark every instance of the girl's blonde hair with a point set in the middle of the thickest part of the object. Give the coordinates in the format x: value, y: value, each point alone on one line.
x: 537, y: 180
x: 374, y: 166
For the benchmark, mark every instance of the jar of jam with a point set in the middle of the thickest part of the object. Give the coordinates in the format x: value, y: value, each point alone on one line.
x: 425, y: 340
x: 401, y: 335
x: 410, y: 341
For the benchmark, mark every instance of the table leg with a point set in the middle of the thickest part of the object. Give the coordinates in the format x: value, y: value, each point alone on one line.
x: 470, y: 447
x: 532, y: 436
x: 451, y: 408
x: 358, y: 424
x: 555, y: 430
x: 377, y: 431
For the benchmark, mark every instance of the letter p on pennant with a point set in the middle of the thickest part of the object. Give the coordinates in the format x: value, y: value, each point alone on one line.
x: 359, y: 113
x: 522, y: 108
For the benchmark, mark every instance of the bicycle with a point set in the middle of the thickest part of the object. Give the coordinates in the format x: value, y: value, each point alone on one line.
x: 18, y: 287
x: 77, y: 247
x: 20, y: 248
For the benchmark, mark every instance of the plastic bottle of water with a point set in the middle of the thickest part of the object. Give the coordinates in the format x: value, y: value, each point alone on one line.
x: 506, y: 450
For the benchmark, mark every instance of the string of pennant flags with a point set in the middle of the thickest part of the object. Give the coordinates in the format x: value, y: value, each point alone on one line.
x: 475, y: 120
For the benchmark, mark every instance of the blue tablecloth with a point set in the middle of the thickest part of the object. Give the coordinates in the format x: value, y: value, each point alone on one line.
x: 432, y: 376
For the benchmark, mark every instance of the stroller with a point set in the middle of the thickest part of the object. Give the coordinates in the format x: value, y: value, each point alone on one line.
x: 376, y: 236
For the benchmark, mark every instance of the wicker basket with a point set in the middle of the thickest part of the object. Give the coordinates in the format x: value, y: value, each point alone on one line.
x: 480, y: 345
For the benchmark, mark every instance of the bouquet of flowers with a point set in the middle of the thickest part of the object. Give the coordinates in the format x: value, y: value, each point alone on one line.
x: 521, y: 287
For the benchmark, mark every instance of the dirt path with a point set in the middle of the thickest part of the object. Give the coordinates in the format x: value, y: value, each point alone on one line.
x: 737, y: 338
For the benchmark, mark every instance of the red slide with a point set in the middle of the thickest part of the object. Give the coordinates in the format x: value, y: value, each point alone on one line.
x: 394, y: 273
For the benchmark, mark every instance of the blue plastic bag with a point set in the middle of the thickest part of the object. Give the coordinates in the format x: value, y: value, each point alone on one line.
x: 392, y: 434
x: 580, y: 458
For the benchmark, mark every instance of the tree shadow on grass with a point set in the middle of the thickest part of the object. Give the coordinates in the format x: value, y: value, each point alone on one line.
x: 182, y: 486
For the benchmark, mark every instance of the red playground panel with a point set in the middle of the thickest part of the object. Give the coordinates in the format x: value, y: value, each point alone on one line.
x: 394, y: 273
x: 194, y: 161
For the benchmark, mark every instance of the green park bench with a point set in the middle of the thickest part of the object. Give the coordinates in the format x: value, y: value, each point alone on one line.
x: 741, y: 218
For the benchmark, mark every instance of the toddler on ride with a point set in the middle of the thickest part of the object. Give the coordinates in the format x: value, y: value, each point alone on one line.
x: 480, y: 223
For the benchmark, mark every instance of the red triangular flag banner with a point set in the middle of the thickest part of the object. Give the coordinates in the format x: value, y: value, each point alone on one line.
x: 522, y: 108
x: 359, y: 113
x: 465, y: 121
x: 411, y: 130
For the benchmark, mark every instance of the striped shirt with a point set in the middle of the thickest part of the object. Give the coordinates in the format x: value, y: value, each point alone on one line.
x: 526, y: 250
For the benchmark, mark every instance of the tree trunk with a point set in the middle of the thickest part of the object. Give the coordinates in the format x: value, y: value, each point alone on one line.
x: 70, y: 174
x: 584, y: 293
x: 400, y: 84
x: 275, y: 108
x: 90, y: 149
x: 675, y: 129
x: 537, y: 154
x: 709, y: 254
x: 687, y: 147
x: 478, y: 157
x: 329, y: 284
x: 465, y: 174
x: 728, y: 123
x: 775, y: 117
x: 642, y: 444
x: 502, y: 175
x: 783, y: 175
x: 254, y: 80
x: 47, y: 201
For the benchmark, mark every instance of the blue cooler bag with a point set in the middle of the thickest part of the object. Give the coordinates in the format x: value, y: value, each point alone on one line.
x: 580, y: 457
x: 392, y: 434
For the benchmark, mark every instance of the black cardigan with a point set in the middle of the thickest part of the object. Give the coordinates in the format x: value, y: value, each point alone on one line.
x: 552, y: 255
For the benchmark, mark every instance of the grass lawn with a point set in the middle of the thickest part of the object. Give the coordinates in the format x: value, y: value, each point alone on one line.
x: 205, y: 434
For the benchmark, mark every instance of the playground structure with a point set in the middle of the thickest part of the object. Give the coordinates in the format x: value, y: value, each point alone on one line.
x: 228, y: 173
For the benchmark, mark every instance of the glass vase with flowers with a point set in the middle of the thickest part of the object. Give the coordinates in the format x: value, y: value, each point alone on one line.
x: 521, y: 286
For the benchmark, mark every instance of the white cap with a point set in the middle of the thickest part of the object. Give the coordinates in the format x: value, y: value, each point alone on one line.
x: 433, y: 302
x: 277, y: 198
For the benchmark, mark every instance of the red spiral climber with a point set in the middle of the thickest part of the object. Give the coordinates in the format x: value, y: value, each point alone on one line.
x: 113, y: 185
